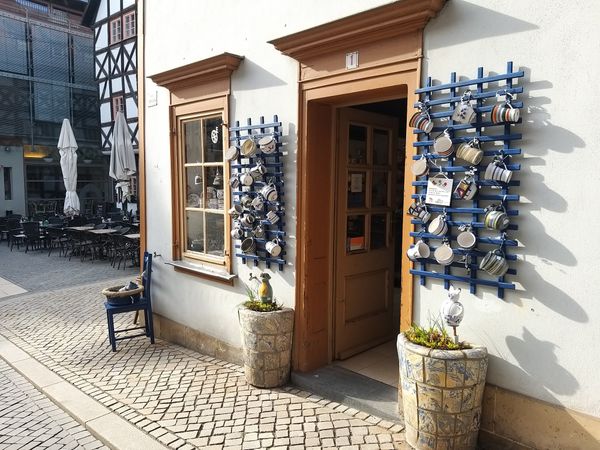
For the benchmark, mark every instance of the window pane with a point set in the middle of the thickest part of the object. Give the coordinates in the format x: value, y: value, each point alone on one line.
x: 194, y: 188
x: 214, y: 188
x: 195, y: 231
x: 381, y: 147
x: 378, y: 231
x: 213, y: 139
x: 357, y: 144
x: 379, y: 191
x: 356, y: 189
x: 355, y: 233
x: 215, y: 241
x: 191, y: 132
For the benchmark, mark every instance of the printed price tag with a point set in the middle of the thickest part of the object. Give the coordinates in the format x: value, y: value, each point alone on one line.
x: 439, y: 191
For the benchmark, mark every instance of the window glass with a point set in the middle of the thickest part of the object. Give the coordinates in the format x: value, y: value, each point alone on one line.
x: 129, y: 25
x: 8, y: 183
x: 115, y: 31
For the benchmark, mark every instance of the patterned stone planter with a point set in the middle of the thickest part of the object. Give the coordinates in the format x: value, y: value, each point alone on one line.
x: 441, y: 395
x: 267, y: 342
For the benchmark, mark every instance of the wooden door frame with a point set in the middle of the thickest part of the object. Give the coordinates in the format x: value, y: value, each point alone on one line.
x: 388, y: 40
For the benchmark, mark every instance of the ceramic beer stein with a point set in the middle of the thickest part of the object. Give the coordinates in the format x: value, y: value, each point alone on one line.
x: 274, y: 247
x: 442, y: 144
x: 269, y: 192
x: 470, y: 152
x: 267, y: 144
x: 444, y: 254
x: 494, y: 263
x: 496, y: 218
x: 420, y: 167
x: 464, y: 112
x: 248, y: 148
x: 419, y: 250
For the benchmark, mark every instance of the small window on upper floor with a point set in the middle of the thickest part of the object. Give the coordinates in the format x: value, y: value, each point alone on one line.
x: 117, y: 105
x: 129, y: 25
x: 116, y: 33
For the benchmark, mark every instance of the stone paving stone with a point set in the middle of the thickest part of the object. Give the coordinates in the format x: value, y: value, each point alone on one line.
x: 180, y: 397
x: 28, y: 419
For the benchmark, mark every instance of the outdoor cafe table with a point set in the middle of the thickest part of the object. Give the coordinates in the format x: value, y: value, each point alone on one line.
x: 80, y: 228
x: 133, y: 236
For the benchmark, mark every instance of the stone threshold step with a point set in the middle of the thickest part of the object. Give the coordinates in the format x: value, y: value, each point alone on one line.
x: 353, y: 390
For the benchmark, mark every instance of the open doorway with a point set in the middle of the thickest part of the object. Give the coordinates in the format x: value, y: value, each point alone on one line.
x: 369, y: 186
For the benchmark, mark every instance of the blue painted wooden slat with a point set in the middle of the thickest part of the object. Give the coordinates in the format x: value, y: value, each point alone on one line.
x: 474, y: 82
x: 474, y: 95
x: 444, y: 276
x: 483, y: 139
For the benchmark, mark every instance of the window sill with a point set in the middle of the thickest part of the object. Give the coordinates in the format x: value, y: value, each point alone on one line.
x: 202, y: 271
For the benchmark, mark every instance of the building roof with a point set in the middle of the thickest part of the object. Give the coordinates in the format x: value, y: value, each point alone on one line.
x: 90, y: 13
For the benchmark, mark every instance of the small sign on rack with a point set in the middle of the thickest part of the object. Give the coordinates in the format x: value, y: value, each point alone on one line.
x: 439, y: 190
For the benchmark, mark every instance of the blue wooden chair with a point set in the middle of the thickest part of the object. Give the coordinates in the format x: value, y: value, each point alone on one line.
x: 143, y: 303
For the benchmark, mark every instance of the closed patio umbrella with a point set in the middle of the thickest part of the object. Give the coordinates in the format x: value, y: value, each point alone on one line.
x: 122, y: 158
x: 67, y: 146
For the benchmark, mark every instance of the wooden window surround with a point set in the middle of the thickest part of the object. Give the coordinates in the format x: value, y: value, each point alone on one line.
x: 118, y: 104
x: 129, y: 28
x: 199, y: 106
x: 389, y: 42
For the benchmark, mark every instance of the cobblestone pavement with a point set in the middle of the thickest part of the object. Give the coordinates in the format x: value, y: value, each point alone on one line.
x: 182, y: 398
x: 35, y: 271
x: 29, y: 420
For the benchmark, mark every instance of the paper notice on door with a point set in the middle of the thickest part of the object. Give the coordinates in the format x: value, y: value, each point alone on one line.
x: 356, y: 182
x: 439, y: 191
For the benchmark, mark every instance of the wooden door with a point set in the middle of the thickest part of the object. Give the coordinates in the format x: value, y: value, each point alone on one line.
x: 364, y: 265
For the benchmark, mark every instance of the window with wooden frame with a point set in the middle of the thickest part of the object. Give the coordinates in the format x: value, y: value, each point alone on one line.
x: 116, y: 33
x: 118, y: 104
x: 201, y: 169
x: 200, y: 194
x: 129, y: 25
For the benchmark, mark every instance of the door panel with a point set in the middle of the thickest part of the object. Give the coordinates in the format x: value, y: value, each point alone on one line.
x: 364, y: 246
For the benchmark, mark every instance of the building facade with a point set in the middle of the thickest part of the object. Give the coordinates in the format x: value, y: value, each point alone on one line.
x: 46, y: 75
x: 342, y: 80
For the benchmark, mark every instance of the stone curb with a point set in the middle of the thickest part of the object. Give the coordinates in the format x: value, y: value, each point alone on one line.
x: 105, y: 425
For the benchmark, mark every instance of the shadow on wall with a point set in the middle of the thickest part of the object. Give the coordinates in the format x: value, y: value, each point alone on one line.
x: 251, y: 76
x: 489, y: 23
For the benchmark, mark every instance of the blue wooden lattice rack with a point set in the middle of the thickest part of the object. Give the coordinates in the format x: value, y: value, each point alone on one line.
x: 238, y: 134
x: 442, y: 100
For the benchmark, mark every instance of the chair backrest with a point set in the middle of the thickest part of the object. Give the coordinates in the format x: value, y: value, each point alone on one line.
x: 31, y: 228
x: 100, y: 226
x: 55, y: 220
x: 124, y: 230
x: 14, y: 224
x: 147, y: 275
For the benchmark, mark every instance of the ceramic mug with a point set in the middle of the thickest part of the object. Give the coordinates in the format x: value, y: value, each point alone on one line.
x: 236, y: 210
x: 420, y: 167
x: 444, y: 254
x: 464, y: 112
x: 496, y: 219
x: 248, y: 148
x: 234, y: 182
x: 246, y: 201
x: 267, y: 144
x: 248, y: 219
x: 466, y: 240
x: 421, y: 121
x: 274, y: 247
x: 494, y: 263
x: 258, y: 203
x: 269, y: 192
x: 469, y: 153
x: 260, y: 168
x: 272, y: 217
x: 465, y: 189
x: 438, y: 226
x: 232, y: 153
x: 419, y: 250
x: 442, y: 144
x: 237, y: 232
x: 505, y: 113
x: 248, y: 245
x: 495, y: 172
x: 419, y: 211
x: 259, y: 231
x: 246, y: 179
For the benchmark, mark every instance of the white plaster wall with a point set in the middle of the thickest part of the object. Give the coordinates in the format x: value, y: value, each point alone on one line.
x: 543, y: 337
x: 181, y: 32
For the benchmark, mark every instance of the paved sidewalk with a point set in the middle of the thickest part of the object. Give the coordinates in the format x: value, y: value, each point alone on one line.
x: 183, y: 399
x: 29, y: 420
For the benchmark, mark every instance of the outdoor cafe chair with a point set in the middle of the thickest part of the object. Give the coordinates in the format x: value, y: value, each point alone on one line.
x: 121, y: 302
x: 56, y: 238
x: 33, y: 236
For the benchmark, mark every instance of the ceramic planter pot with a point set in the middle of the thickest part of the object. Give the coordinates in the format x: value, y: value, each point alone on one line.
x: 267, y: 344
x: 442, y: 392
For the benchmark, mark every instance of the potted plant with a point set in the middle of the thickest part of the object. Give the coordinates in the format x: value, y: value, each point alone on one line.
x: 266, y: 328
x: 442, y: 381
